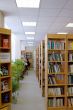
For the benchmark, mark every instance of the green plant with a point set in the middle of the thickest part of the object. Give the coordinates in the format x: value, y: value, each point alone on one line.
x: 17, y: 69
x: 15, y: 85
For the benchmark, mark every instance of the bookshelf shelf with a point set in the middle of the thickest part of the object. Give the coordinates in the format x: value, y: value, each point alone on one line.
x: 56, y: 108
x: 56, y: 73
x: 55, y: 50
x: 55, y: 96
x: 6, y: 91
x: 52, y: 85
x: 5, y: 68
x: 3, y: 77
x: 56, y: 61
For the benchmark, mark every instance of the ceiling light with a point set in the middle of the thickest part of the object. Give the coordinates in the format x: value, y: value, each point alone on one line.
x: 30, y: 42
x: 30, y: 33
x: 69, y: 25
x: 30, y: 38
x: 29, y: 23
x: 61, y: 33
x: 28, y: 3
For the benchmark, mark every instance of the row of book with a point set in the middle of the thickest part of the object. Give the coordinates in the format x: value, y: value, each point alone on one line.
x: 70, y: 79
x: 4, y: 85
x: 56, y: 57
x: 55, y: 79
x: 70, y: 67
x: 55, y: 44
x: 70, y: 101
x: 55, y: 67
x: 5, y: 57
x: 59, y: 102
x: 56, y: 102
x: 56, y: 91
x: 70, y: 57
x: 70, y: 45
x: 70, y: 90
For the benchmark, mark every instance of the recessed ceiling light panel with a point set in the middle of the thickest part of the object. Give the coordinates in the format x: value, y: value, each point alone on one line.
x: 28, y: 3
x: 30, y: 33
x: 30, y: 38
x: 29, y: 23
x: 69, y: 25
x: 61, y: 33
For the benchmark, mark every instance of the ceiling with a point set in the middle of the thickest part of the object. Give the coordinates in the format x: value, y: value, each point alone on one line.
x: 52, y: 16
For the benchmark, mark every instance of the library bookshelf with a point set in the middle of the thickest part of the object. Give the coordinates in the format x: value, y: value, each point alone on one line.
x: 40, y: 65
x: 37, y: 63
x: 70, y: 72
x: 27, y: 54
x: 5, y: 69
x: 56, y: 72
x: 43, y: 68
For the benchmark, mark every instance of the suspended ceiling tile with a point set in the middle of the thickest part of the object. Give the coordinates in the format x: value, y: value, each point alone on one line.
x: 49, y: 12
x: 69, y: 4
x: 66, y: 13
x: 53, y: 3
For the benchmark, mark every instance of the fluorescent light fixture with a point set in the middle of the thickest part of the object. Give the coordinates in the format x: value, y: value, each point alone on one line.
x: 30, y: 38
x: 61, y: 33
x: 28, y: 3
x: 29, y: 33
x: 29, y: 23
x: 30, y: 42
x: 69, y: 25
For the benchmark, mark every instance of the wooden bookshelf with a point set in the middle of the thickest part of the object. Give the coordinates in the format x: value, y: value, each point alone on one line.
x: 5, y: 69
x: 55, y: 72
x: 37, y: 63
x: 43, y: 68
x: 40, y: 65
x: 27, y: 54
x: 70, y: 72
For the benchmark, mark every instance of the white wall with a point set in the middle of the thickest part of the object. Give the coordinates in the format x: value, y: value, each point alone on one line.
x: 16, y: 47
x: 13, y: 46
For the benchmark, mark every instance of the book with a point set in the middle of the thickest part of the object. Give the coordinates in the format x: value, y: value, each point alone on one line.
x: 5, y: 43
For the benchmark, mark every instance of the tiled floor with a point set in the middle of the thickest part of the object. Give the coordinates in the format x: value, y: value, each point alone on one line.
x: 29, y: 97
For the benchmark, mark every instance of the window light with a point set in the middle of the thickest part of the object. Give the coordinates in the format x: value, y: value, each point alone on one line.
x: 30, y: 38
x: 69, y: 25
x: 61, y: 33
x: 29, y: 33
x: 29, y: 23
x: 28, y: 3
